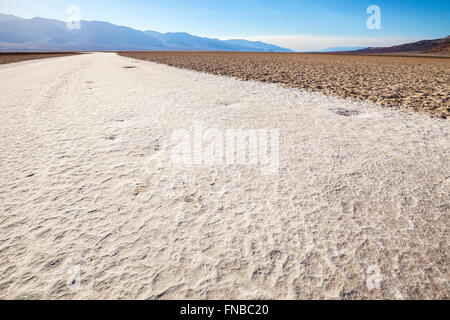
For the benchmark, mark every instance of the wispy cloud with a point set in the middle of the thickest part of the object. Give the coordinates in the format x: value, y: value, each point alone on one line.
x: 315, y: 43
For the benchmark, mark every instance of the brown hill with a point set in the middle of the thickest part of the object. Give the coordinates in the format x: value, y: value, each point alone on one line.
x: 424, y: 46
x: 444, y: 47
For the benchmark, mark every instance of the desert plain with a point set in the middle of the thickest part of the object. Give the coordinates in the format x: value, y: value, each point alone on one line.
x: 94, y: 207
x: 25, y: 56
x: 420, y: 84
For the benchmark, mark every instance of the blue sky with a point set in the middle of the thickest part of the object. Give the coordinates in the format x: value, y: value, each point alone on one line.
x: 298, y: 24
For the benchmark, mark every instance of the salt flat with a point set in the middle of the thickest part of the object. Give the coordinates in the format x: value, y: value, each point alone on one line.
x: 92, y: 205
x: 414, y: 83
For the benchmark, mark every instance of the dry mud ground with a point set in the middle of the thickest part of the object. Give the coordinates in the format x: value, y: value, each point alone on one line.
x: 415, y: 83
x: 24, y: 56
x: 93, y: 207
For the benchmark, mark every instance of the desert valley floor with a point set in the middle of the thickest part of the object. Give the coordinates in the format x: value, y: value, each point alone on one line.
x: 92, y: 207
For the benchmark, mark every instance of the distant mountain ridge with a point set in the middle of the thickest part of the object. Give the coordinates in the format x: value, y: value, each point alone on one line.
x: 40, y: 34
x: 8, y: 17
x: 441, y: 45
x: 341, y: 49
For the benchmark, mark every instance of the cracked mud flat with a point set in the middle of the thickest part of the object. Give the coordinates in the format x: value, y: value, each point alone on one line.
x: 419, y: 84
x: 24, y: 56
x: 91, y: 207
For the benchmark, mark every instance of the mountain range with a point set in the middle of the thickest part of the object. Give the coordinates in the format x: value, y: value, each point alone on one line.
x: 341, y: 49
x: 40, y: 34
x: 441, y: 46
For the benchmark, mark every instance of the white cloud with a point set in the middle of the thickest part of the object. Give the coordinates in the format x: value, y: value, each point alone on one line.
x: 315, y: 43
